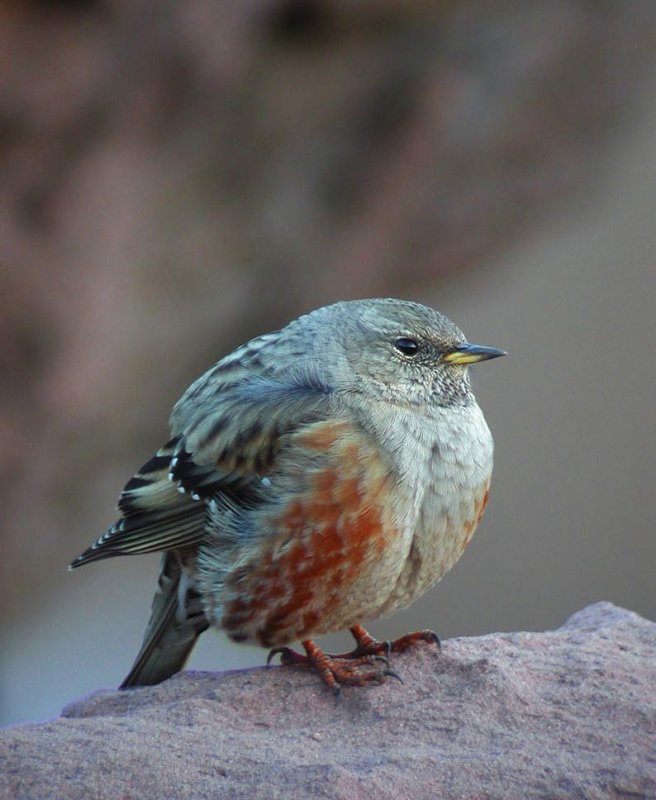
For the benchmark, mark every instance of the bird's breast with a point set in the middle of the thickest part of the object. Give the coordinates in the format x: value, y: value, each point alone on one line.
x: 448, y: 462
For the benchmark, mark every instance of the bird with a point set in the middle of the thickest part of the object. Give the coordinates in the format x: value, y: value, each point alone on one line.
x: 321, y: 475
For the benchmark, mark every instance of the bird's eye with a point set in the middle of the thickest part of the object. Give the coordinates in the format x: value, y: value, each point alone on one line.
x: 409, y: 347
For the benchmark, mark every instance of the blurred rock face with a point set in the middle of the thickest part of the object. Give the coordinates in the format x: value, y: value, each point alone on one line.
x: 176, y: 180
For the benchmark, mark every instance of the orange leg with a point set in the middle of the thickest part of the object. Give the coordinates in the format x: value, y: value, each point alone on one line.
x: 367, y: 645
x: 367, y: 663
x: 336, y: 671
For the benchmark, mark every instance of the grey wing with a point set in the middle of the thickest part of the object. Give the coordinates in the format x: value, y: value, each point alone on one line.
x: 154, y: 514
x: 226, y: 428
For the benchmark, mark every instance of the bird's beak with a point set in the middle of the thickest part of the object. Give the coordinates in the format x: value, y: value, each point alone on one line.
x: 472, y: 353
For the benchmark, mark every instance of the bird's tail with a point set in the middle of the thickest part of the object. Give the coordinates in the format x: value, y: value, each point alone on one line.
x: 177, y: 619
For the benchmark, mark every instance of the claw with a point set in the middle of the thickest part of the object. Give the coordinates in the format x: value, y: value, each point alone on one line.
x: 288, y: 657
x: 391, y: 674
x: 383, y: 659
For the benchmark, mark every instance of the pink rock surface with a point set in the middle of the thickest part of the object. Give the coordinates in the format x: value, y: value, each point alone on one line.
x: 569, y: 713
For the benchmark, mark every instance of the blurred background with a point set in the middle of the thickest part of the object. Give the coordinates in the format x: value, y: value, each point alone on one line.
x: 179, y: 177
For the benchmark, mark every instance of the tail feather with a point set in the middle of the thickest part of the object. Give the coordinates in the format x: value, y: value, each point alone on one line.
x: 176, y: 621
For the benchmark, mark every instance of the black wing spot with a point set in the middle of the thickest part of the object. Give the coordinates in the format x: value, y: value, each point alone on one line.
x: 136, y: 483
x: 218, y: 427
x: 155, y: 464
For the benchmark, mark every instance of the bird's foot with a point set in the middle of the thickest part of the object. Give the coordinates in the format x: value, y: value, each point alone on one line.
x: 337, y: 671
x: 366, y: 645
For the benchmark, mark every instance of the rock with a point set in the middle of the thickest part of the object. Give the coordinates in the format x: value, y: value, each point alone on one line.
x: 569, y: 713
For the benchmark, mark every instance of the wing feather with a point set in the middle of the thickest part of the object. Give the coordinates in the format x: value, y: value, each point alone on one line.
x: 227, y: 429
